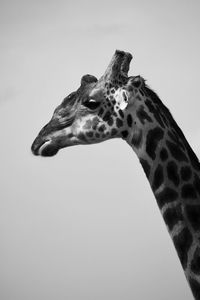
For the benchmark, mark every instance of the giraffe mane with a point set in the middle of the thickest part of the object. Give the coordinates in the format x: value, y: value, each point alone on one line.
x: 166, y: 112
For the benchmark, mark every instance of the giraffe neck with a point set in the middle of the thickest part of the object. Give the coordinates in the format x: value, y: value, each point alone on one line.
x: 173, y: 172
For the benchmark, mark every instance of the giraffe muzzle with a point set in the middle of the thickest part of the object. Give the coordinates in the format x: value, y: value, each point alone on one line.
x: 44, y: 148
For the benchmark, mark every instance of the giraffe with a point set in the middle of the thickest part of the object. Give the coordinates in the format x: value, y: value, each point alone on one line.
x: 118, y: 106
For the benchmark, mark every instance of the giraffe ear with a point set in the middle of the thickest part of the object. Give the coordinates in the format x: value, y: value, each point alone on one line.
x: 86, y: 79
x: 122, y: 98
x: 136, y: 81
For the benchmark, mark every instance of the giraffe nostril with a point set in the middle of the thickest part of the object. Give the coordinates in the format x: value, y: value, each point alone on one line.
x: 38, y: 145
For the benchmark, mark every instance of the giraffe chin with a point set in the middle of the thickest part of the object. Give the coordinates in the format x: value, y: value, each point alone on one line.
x: 48, y: 149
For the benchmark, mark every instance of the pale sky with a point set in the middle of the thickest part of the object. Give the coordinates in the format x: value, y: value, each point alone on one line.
x: 84, y: 224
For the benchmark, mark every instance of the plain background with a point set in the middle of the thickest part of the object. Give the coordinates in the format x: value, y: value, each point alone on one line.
x: 84, y: 224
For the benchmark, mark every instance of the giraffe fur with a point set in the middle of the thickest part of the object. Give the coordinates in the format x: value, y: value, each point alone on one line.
x: 118, y: 106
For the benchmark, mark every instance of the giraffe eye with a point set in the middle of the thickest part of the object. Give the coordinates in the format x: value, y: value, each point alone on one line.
x: 91, y: 104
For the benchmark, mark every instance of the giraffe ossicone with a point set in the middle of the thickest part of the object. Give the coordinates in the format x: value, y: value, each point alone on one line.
x: 119, y: 106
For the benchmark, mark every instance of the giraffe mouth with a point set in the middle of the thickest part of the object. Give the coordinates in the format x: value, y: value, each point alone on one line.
x: 46, y: 148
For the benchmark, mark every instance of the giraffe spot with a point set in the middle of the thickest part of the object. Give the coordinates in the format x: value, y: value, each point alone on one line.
x: 110, y: 86
x: 124, y: 134
x: 193, y: 215
x: 112, y: 91
x: 186, y: 173
x: 172, y: 172
x: 107, y: 116
x: 129, y: 120
x: 82, y: 137
x: 188, y: 191
x: 195, y: 264
x: 175, y: 138
x: 110, y: 121
x: 155, y: 112
x: 113, y: 132
x: 197, y: 183
x: 119, y: 123
x: 172, y: 216
x: 182, y: 243
x: 195, y: 287
x: 121, y: 113
x: 166, y: 196
x: 176, y: 152
x: 102, y: 128
x: 163, y: 154
x: 90, y: 134
x: 97, y: 135
x: 137, y: 139
x: 142, y: 115
x: 145, y: 166
x: 152, y: 141
x: 158, y: 178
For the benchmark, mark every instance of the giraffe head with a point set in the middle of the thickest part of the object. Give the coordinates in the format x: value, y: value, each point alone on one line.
x: 97, y: 111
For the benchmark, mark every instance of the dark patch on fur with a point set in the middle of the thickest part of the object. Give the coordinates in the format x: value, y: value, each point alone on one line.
x: 176, y: 152
x: 107, y: 116
x: 155, y: 112
x: 110, y: 121
x: 124, y: 134
x: 186, y: 173
x: 166, y: 196
x: 172, y: 216
x: 153, y: 138
x: 82, y: 137
x: 121, y: 113
x: 182, y: 243
x: 90, y: 134
x: 146, y: 166
x: 158, y: 178
x: 142, y: 115
x: 113, y: 132
x: 129, y: 120
x: 102, y: 128
x: 163, y: 154
x: 193, y: 215
x: 175, y: 138
x: 119, y: 123
x: 188, y: 191
x: 172, y: 172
